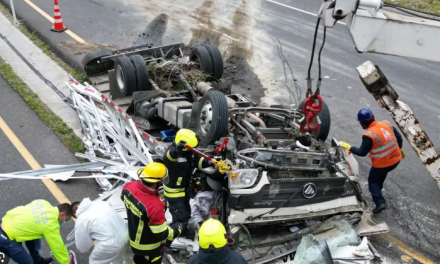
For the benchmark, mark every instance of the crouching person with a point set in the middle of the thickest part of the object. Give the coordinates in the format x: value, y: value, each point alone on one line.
x: 213, y: 248
x: 98, y: 221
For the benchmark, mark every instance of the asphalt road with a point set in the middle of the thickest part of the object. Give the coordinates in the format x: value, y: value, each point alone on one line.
x: 46, y: 147
x: 251, y: 30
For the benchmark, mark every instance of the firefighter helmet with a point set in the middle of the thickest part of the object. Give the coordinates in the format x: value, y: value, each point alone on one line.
x: 153, y: 172
x: 212, y: 232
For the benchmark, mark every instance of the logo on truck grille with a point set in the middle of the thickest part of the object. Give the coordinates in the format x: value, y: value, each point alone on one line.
x: 309, y: 190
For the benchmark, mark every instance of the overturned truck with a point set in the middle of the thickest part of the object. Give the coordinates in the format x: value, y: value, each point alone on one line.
x: 284, y: 186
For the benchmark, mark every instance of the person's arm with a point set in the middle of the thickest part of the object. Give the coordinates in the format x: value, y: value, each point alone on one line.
x: 171, y: 154
x: 201, y: 162
x: 366, y: 146
x: 83, y: 239
x: 160, y: 228
x: 398, y: 137
x: 56, y: 244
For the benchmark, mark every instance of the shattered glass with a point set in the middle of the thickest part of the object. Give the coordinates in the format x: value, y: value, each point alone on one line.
x: 316, y: 250
x: 346, y: 236
x: 312, y: 251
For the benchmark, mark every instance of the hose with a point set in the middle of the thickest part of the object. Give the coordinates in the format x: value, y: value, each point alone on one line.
x: 252, y: 245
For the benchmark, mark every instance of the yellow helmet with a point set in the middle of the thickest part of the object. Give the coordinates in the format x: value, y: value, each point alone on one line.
x: 153, y: 172
x: 188, y: 136
x: 212, y: 232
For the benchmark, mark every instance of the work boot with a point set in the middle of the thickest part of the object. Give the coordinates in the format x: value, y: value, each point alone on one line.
x: 379, y: 208
x: 47, y: 260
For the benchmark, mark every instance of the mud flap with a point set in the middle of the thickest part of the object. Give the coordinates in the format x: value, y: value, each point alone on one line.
x: 194, y: 115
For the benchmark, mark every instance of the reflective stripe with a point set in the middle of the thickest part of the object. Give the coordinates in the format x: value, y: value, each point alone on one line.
x: 156, y: 259
x: 173, y: 190
x: 174, y: 195
x: 58, y: 21
x: 375, y: 137
x: 388, y: 124
x: 146, y: 246
x: 56, y: 7
x: 57, y: 14
x: 170, y: 234
x: 384, y: 147
x: 139, y: 231
x: 381, y: 155
x: 170, y: 158
x: 201, y: 163
x: 159, y: 228
x: 179, y: 181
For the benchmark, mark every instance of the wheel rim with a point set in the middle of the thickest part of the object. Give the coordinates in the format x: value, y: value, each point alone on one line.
x: 120, y: 77
x: 197, y: 61
x: 206, y: 118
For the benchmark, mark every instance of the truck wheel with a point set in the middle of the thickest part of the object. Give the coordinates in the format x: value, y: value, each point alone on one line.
x: 125, y: 76
x: 94, y: 57
x: 200, y: 55
x: 217, y: 62
x: 212, y: 122
x: 142, y: 79
x: 324, y: 116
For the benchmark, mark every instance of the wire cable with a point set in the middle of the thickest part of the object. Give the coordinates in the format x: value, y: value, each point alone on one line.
x: 313, y: 48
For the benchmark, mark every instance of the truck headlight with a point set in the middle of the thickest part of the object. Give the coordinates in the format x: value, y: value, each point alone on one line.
x: 242, y: 178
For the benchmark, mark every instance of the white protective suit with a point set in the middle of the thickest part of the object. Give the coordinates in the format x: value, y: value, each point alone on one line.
x: 98, y: 221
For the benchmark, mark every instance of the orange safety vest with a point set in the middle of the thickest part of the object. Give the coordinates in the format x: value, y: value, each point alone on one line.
x: 385, y: 151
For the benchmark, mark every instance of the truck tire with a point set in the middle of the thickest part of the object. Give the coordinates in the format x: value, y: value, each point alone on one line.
x: 94, y: 57
x: 141, y: 72
x: 212, y: 122
x: 324, y: 116
x: 217, y: 62
x: 125, y: 76
x: 200, y: 55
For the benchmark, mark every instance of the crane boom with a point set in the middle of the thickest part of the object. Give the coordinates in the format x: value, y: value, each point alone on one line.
x: 377, y: 31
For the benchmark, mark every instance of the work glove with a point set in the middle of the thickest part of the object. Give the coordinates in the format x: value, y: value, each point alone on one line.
x: 403, y: 153
x: 213, y: 162
x: 345, y: 145
x: 181, y: 146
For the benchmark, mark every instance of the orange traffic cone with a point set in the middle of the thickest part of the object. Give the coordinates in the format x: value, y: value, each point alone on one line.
x: 57, y: 21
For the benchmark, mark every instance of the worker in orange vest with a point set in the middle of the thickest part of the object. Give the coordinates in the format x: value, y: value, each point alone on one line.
x: 384, y: 144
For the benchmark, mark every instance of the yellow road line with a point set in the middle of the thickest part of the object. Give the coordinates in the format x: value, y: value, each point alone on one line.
x: 51, y: 186
x: 405, y: 248
x: 70, y: 33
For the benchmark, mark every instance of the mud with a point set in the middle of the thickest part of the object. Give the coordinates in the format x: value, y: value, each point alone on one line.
x: 234, y: 37
x: 154, y: 32
x: 86, y: 47
x: 234, y: 42
x: 243, y: 78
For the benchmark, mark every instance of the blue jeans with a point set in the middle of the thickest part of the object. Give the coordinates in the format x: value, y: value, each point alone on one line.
x: 375, y: 182
x: 17, y: 253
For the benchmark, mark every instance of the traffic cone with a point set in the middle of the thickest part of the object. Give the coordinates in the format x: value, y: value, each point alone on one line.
x: 57, y: 21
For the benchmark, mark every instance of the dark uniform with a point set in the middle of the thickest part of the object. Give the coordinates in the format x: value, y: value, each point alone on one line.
x: 180, y: 165
x: 147, y: 226
x: 219, y: 256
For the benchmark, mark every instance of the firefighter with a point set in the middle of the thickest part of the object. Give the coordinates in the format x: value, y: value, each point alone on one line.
x: 384, y: 144
x: 180, y: 163
x: 29, y: 224
x: 213, y: 248
x: 147, y: 226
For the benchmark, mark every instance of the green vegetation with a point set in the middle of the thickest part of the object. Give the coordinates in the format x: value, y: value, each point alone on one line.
x: 431, y: 6
x: 53, y: 121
